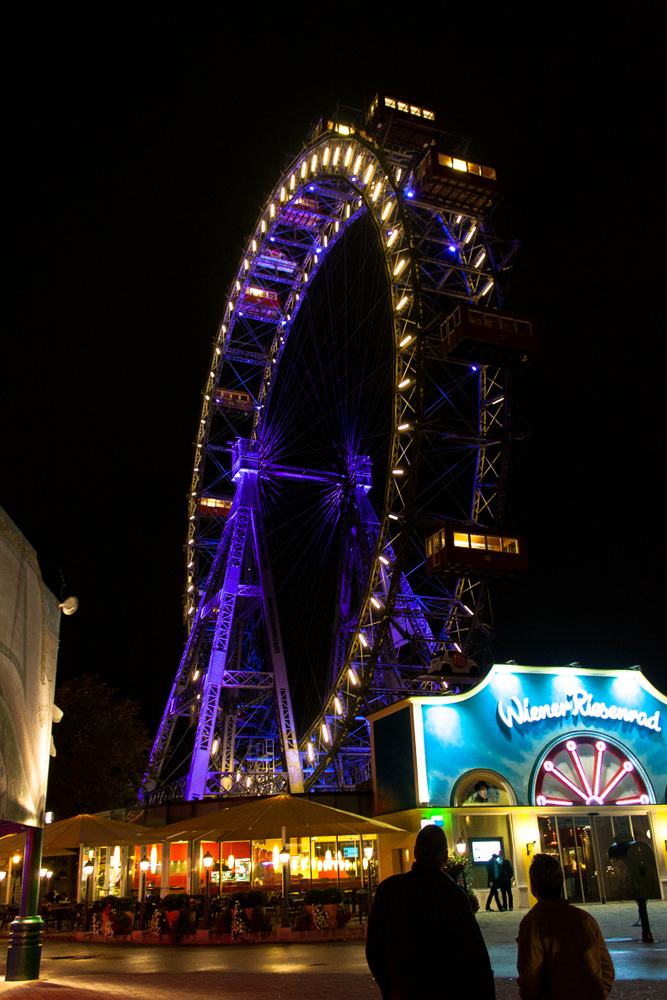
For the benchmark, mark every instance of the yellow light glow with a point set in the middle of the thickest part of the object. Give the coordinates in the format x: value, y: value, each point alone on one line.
x: 470, y: 235
x: 272, y: 210
x: 153, y: 860
x: 336, y: 155
x: 353, y: 677
x: 338, y: 706
x: 343, y: 129
x: 313, y: 162
x: 376, y: 603
x: 292, y: 182
x: 276, y: 857
x: 294, y: 864
x: 325, y: 733
x: 283, y: 194
x: 347, y: 211
x: 399, y: 174
x: 369, y: 173
x: 231, y: 860
x: 487, y: 288
x: 357, y: 164
x: 304, y: 168
x: 387, y: 209
x: 304, y: 864
x: 383, y: 559
x: 406, y: 340
x: 246, y: 264
x: 399, y: 267
x: 214, y: 748
x: 311, y: 753
x: 401, y: 303
x: 362, y: 638
x: 320, y: 866
x: 263, y: 226
x: 404, y: 382
x: 348, y: 156
x: 480, y: 259
x: 459, y: 164
x: 377, y: 191
x: 325, y: 156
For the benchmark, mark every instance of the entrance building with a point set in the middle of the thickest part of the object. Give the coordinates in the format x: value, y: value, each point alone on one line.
x: 557, y: 760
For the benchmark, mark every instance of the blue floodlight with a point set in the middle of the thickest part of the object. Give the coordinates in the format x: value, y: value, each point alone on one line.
x: 452, y: 249
x: 474, y: 368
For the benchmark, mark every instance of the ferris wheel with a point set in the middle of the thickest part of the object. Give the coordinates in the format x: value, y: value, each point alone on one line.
x: 356, y: 410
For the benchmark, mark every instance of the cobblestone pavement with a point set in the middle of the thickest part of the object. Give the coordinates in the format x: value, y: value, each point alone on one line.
x: 333, y: 971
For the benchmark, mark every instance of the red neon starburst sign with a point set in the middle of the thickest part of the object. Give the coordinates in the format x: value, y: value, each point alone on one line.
x: 588, y: 771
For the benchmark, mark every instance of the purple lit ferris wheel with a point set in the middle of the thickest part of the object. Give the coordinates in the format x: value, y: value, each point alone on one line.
x: 350, y: 465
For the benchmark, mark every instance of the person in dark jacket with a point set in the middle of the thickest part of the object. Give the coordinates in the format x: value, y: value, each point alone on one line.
x: 505, y: 876
x: 422, y: 938
x: 493, y: 876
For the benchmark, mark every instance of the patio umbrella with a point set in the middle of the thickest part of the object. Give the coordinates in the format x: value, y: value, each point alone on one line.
x: 77, y: 831
x: 266, y: 819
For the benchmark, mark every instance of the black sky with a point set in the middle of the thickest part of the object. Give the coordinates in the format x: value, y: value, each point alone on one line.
x: 141, y: 147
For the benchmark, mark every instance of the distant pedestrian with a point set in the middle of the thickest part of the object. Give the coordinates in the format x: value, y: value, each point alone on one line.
x: 423, y: 940
x: 492, y: 877
x: 505, y: 876
x: 562, y: 954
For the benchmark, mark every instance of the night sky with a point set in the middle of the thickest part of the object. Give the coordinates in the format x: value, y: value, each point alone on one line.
x: 141, y: 146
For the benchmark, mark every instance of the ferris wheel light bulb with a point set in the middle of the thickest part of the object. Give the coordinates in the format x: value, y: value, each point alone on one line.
x: 392, y: 237
x: 404, y: 383
x: 363, y: 640
x: 387, y: 209
x: 369, y: 174
x: 403, y: 427
x: 374, y: 601
x: 383, y: 559
x: 399, y: 267
x: 406, y: 340
x: 336, y: 156
x: 325, y: 156
x: 402, y: 303
x: 470, y: 235
x: 480, y: 259
x: 487, y: 288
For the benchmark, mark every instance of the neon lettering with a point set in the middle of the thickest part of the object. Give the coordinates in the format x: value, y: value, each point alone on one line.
x: 519, y: 712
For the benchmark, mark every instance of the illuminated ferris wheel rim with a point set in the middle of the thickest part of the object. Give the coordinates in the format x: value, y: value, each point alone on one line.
x: 585, y: 785
x: 344, y: 165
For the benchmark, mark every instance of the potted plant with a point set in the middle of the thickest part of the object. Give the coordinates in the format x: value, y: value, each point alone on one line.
x: 332, y: 900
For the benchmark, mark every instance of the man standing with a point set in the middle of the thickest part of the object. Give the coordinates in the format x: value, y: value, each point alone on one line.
x: 505, y: 876
x: 493, y: 874
x: 423, y: 939
x: 562, y: 954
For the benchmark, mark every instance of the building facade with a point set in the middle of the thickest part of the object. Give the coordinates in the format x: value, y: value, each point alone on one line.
x: 559, y: 760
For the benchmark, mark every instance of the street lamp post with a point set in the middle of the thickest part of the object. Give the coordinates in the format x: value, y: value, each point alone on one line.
x: 461, y: 849
x: 207, y: 861
x: 284, y: 861
x: 144, y: 865
x: 368, y: 851
x: 87, y: 870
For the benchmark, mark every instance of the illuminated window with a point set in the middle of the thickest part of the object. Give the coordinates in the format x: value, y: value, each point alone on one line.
x: 477, y: 542
x: 511, y: 545
x: 415, y: 111
x: 460, y: 165
x: 443, y: 541
x: 460, y: 541
x: 494, y: 544
x: 489, y: 172
x: 429, y: 546
x: 403, y: 107
x: 429, y: 115
x: 389, y: 102
x: 444, y: 161
x: 474, y: 168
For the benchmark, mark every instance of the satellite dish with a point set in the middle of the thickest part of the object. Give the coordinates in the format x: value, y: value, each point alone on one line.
x: 69, y: 605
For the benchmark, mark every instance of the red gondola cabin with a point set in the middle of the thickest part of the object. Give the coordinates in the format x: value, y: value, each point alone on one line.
x: 460, y: 184
x: 487, y: 337
x: 471, y: 550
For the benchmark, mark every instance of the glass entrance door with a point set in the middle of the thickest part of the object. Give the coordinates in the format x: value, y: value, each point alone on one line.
x: 572, y: 839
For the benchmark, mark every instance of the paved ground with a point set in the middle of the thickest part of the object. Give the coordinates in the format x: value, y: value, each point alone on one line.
x: 329, y: 971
